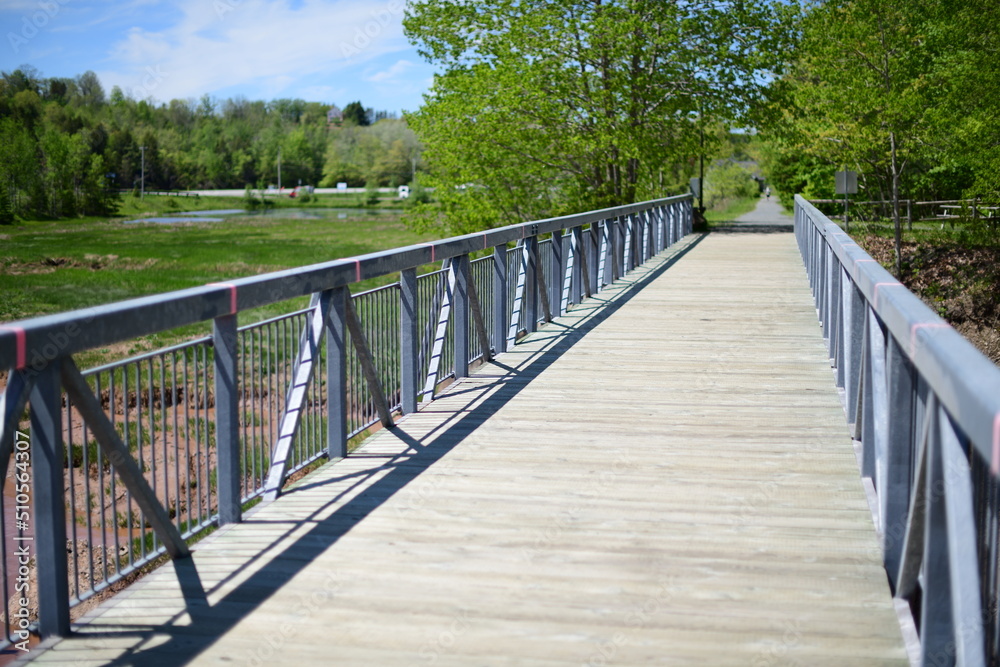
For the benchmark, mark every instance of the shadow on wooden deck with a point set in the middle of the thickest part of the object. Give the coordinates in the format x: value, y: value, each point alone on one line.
x: 178, y: 644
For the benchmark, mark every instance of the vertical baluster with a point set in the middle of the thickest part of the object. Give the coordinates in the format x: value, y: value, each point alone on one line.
x: 49, y: 504
x: 531, y: 284
x: 460, y: 315
x: 557, y: 270
x: 336, y: 374
x: 224, y: 337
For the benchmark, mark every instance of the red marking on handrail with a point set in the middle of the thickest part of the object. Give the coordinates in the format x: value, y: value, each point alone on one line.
x: 232, y: 295
x: 894, y: 283
x: 357, y: 270
x: 923, y: 325
x: 995, y: 465
x: 484, y: 241
x: 856, y: 262
x: 431, y: 246
x: 21, y: 352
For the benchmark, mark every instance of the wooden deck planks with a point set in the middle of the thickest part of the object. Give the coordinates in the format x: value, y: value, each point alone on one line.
x: 664, y: 476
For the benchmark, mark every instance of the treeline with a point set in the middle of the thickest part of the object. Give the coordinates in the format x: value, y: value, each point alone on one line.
x: 545, y: 108
x: 904, y: 93
x: 67, y: 148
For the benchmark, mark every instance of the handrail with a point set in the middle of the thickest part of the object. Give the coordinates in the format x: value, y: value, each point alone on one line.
x: 24, y: 342
x: 925, y: 405
x: 195, y: 431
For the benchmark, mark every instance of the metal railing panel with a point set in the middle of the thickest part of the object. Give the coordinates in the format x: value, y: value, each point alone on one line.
x: 196, y: 429
x: 925, y: 404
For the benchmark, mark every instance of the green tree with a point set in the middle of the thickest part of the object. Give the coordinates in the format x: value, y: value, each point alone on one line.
x: 19, y: 174
x: 860, y: 89
x: 727, y: 181
x: 356, y: 113
x: 551, y: 107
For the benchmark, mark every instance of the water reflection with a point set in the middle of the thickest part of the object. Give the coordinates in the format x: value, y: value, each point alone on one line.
x: 220, y: 215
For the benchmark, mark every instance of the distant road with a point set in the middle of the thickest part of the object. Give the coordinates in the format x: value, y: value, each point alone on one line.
x: 284, y: 191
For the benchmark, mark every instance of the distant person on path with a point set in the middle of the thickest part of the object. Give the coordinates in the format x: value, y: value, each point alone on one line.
x: 767, y: 192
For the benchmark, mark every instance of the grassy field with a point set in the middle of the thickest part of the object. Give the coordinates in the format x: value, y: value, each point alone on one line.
x: 48, y: 267
x: 151, y: 205
x: 731, y: 209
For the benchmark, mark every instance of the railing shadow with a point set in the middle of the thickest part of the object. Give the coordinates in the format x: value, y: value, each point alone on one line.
x: 178, y: 644
x: 734, y: 227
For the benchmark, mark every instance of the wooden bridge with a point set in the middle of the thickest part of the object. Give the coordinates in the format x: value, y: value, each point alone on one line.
x: 656, y: 461
x: 663, y: 475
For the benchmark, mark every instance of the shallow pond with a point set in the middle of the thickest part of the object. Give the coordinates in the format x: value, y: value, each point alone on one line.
x: 292, y: 213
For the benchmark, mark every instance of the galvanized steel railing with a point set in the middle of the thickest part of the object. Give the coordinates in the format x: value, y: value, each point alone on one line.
x: 127, y: 462
x: 925, y: 405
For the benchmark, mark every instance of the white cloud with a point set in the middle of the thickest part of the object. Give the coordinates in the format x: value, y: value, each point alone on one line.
x: 222, y: 44
x: 393, y: 74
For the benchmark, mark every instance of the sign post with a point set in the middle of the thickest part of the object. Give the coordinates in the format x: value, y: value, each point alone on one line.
x: 847, y: 184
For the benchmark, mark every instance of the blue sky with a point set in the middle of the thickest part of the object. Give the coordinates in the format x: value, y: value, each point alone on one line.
x: 332, y: 51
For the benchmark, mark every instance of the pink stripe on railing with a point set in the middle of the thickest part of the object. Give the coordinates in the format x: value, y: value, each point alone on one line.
x: 232, y: 295
x: 20, y: 338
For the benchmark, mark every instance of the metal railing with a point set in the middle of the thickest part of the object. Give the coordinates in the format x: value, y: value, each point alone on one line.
x: 126, y: 463
x: 911, y: 211
x: 925, y: 406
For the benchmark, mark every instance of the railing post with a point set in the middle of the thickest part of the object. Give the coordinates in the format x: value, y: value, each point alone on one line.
x: 460, y: 315
x: 593, y: 252
x: 840, y: 351
x: 894, y: 497
x: 336, y: 374
x: 227, y: 449
x: 936, y: 622
x: 833, y: 306
x: 876, y: 416
x: 408, y: 340
x: 500, y: 288
x: 827, y: 280
x: 47, y: 457
x: 615, y: 243
x: 672, y: 220
x: 579, y: 257
x: 666, y: 223
x: 657, y: 223
x: 558, y: 272
x: 642, y: 242
x: 854, y: 324
x: 531, y: 284
x: 652, y: 230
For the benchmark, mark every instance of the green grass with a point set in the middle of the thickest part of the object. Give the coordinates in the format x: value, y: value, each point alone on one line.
x: 151, y: 205
x: 731, y: 209
x: 55, y: 266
